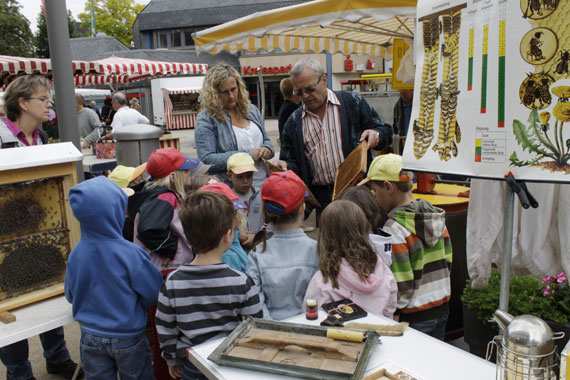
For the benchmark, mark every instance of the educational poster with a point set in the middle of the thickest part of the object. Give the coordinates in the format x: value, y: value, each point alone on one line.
x: 492, y: 89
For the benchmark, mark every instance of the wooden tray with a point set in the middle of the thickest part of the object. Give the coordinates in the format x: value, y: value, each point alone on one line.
x: 352, y: 169
x: 224, y: 354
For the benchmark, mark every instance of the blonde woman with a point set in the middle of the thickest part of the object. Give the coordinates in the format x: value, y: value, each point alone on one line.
x: 229, y: 123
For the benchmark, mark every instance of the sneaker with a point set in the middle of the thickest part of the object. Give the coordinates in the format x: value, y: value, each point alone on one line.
x: 65, y: 369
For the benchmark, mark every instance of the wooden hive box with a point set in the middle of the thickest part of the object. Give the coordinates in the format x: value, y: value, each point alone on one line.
x: 37, y: 227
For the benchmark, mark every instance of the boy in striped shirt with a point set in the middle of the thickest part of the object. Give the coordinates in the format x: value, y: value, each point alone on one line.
x: 421, y: 247
x: 206, y: 299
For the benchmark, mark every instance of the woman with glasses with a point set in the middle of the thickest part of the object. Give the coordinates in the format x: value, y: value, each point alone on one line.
x: 27, y: 104
x: 229, y: 123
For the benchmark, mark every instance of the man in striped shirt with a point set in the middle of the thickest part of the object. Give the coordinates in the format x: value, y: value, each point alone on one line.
x: 320, y: 135
x: 206, y: 299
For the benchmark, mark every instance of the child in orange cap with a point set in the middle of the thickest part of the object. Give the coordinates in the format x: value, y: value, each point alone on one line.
x: 283, y: 266
x: 235, y: 256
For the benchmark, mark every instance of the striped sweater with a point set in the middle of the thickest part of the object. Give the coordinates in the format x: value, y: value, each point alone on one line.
x: 198, y: 303
x: 421, y: 260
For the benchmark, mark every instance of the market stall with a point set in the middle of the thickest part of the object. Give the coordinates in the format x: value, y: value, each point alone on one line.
x: 181, y: 107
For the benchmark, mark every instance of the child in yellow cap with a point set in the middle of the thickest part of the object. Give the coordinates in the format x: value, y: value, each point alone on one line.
x: 421, y: 249
x: 241, y: 169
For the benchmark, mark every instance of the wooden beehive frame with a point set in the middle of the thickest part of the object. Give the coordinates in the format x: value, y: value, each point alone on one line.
x: 67, y: 171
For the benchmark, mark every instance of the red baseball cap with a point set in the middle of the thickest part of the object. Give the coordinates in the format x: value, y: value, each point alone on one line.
x: 162, y: 162
x: 222, y: 188
x: 285, y: 189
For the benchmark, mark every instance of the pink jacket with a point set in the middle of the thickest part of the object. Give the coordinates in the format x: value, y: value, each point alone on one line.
x: 376, y: 295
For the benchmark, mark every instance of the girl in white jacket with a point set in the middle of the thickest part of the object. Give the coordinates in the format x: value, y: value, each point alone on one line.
x: 349, y: 267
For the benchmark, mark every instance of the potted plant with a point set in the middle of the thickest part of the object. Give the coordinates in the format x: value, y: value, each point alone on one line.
x: 548, y: 299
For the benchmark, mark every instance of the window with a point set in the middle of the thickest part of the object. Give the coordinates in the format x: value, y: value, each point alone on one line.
x: 176, y: 38
x: 188, y: 41
x: 162, y: 39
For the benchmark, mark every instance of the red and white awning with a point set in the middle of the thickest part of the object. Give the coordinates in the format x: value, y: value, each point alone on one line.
x: 185, y: 90
x: 126, y: 70
x: 15, y: 66
x: 105, y: 71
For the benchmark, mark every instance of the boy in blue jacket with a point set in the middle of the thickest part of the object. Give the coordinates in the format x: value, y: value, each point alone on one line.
x: 110, y: 282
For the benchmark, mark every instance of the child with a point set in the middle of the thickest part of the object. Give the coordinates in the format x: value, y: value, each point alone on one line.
x: 381, y: 240
x: 154, y: 210
x: 129, y: 178
x: 287, y: 261
x: 421, y: 250
x: 349, y: 267
x: 206, y: 299
x: 235, y: 256
x: 240, y: 173
x: 110, y: 283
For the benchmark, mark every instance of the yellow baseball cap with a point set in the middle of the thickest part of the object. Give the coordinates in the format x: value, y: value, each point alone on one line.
x: 386, y: 167
x: 123, y: 175
x: 239, y: 163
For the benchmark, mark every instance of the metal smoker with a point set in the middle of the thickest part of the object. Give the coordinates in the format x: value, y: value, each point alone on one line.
x: 526, y: 349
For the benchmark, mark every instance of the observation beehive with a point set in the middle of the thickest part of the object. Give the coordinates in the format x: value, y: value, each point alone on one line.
x: 37, y: 227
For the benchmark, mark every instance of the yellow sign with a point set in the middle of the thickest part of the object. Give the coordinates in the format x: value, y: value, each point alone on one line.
x: 400, y: 48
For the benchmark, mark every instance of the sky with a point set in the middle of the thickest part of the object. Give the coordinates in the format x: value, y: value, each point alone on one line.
x: 31, y: 8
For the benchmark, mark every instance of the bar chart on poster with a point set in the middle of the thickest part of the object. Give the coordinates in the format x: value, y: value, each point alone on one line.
x: 492, y: 89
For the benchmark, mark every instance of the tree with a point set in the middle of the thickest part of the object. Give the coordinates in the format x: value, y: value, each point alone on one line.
x: 114, y: 17
x: 17, y: 38
x: 41, y: 36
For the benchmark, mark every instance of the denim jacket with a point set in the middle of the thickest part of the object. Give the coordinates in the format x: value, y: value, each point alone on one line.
x: 216, y: 140
x: 283, y: 272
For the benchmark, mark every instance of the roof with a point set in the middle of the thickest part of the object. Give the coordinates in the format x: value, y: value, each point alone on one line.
x: 89, y: 48
x: 169, y: 14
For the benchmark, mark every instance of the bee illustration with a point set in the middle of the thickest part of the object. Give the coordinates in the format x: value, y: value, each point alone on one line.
x: 562, y: 65
x: 534, y: 91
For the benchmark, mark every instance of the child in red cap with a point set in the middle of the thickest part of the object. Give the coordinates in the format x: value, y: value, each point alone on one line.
x: 283, y: 265
x: 235, y: 256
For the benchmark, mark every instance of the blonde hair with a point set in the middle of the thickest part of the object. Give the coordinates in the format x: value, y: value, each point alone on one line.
x: 175, y: 184
x: 195, y: 182
x: 344, y: 234
x: 210, y: 99
x: 286, y: 87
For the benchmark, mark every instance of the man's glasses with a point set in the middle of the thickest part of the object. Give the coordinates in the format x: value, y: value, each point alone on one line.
x: 42, y: 98
x: 309, y: 89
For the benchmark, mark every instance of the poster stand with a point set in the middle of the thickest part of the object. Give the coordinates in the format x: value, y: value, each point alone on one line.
x: 527, y: 200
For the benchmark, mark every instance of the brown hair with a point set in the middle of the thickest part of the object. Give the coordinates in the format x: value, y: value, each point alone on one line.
x: 271, y: 217
x: 344, y: 234
x: 206, y: 217
x: 286, y: 87
x: 403, y: 187
x: 194, y: 182
x: 22, y: 87
x: 210, y: 99
x: 363, y: 198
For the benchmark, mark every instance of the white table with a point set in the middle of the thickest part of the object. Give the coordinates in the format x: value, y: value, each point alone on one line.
x: 35, y: 319
x: 420, y: 354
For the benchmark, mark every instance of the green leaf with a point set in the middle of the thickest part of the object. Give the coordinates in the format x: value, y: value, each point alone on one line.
x: 523, y: 138
x: 515, y: 160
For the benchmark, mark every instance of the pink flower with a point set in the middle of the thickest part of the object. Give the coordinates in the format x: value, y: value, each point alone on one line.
x: 545, y: 293
x: 561, y: 279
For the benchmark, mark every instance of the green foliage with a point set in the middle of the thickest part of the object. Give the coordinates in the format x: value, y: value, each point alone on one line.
x: 535, y: 139
x: 15, y: 30
x: 114, y: 17
x: 525, y: 297
x: 41, y: 37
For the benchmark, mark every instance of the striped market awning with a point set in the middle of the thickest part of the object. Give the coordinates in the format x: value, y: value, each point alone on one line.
x: 343, y: 26
x: 11, y: 67
x: 126, y: 70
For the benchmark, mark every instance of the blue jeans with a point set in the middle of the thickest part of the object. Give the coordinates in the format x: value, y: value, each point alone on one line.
x: 433, y: 327
x: 15, y: 355
x: 190, y: 372
x: 102, y: 358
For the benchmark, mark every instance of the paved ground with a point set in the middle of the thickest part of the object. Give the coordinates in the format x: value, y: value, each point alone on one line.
x: 72, y: 332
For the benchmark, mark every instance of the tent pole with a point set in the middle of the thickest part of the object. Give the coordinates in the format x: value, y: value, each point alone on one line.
x: 261, y: 94
x: 329, y: 69
x: 507, y: 248
x: 60, y: 53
